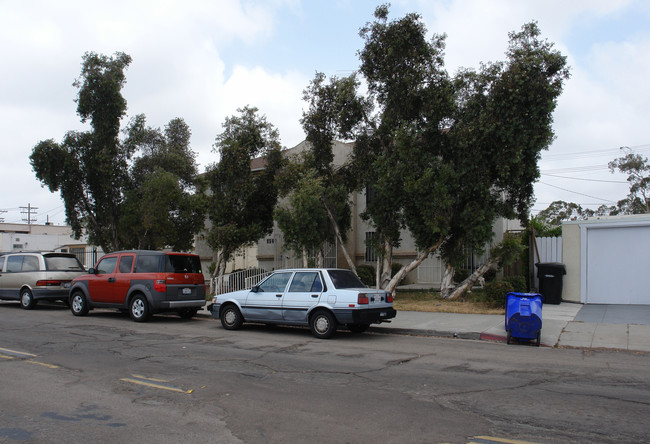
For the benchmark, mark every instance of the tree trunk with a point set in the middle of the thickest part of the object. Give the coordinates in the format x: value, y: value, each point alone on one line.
x: 305, y: 258
x: 446, y: 284
x: 472, y: 279
x: 339, y: 238
x: 401, y: 274
x: 320, y: 258
x: 378, y: 273
x: 386, y: 264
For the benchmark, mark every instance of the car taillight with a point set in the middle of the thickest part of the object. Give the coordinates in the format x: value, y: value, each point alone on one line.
x: 363, y: 299
x: 389, y: 298
x: 48, y: 283
x: 160, y: 285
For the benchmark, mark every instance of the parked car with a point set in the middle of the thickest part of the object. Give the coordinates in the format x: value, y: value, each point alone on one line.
x: 30, y: 277
x: 318, y: 298
x: 141, y: 282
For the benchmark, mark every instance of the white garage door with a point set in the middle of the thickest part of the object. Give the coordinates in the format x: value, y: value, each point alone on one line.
x: 618, y: 265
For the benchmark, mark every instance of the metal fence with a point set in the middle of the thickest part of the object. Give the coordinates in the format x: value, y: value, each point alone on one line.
x: 239, y: 280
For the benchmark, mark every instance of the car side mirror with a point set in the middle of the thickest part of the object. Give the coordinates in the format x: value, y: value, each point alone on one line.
x: 91, y: 270
x: 255, y: 289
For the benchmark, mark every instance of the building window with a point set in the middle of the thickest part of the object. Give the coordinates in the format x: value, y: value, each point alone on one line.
x: 371, y: 246
x: 370, y: 194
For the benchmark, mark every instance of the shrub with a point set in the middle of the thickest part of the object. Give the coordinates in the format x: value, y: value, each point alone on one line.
x: 394, y: 268
x: 460, y: 274
x: 367, y: 274
x: 495, y: 293
x: 518, y: 283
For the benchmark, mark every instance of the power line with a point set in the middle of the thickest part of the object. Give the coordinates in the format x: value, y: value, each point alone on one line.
x: 575, y: 192
x: 586, y: 180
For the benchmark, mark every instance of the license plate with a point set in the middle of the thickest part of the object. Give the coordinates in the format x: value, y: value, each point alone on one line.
x: 67, y: 284
x: 187, y: 291
x: 383, y: 314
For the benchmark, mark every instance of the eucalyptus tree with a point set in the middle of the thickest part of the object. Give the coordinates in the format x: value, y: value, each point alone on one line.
x: 91, y: 168
x: 447, y: 156
x: 164, y: 204
x: 335, y: 110
x: 241, y: 201
x: 638, y: 176
x: 135, y: 192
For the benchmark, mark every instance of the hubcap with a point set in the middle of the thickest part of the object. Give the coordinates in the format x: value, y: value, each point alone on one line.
x: 25, y: 299
x: 322, y: 324
x: 230, y: 317
x: 137, y: 308
x: 77, y: 303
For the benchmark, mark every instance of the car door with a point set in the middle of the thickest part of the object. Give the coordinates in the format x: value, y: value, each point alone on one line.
x: 303, y: 293
x: 13, y: 276
x: 122, y: 278
x: 264, y: 302
x: 102, y: 283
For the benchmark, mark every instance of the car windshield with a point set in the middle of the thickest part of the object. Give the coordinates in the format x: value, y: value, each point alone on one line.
x: 177, y: 263
x: 62, y: 263
x: 345, y: 279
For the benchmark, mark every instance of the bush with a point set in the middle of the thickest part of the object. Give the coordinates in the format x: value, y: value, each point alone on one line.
x: 495, y: 293
x: 367, y: 275
x: 460, y: 274
x: 518, y: 283
x: 394, y: 268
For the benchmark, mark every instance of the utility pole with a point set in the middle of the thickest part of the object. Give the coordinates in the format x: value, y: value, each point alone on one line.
x: 29, y: 210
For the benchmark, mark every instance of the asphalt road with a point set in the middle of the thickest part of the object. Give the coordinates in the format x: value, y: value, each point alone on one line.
x: 104, y: 378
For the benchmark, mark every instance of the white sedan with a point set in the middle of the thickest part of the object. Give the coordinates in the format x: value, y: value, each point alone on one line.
x: 316, y: 297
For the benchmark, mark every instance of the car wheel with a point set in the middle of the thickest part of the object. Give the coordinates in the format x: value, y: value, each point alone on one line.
x: 358, y: 328
x: 322, y: 324
x: 78, y: 304
x: 139, y: 309
x: 27, y: 299
x: 231, y: 318
x: 187, y: 313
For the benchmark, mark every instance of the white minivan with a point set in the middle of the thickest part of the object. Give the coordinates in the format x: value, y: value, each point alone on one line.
x: 32, y: 276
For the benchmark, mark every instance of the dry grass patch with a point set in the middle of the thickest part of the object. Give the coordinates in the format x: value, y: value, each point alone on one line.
x: 430, y: 301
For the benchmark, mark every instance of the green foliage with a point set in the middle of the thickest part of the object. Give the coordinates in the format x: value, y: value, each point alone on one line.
x: 445, y: 157
x: 133, y: 193
x: 367, y: 274
x: 518, y: 283
x: 638, y: 175
x: 241, y: 205
x: 304, y: 221
x: 495, y: 293
x: 460, y: 274
x: 394, y: 268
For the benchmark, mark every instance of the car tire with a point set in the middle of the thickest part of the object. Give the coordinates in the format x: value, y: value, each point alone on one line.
x: 27, y: 300
x: 231, y: 318
x: 358, y: 328
x: 139, y: 308
x: 187, y: 313
x: 323, y: 324
x: 78, y: 304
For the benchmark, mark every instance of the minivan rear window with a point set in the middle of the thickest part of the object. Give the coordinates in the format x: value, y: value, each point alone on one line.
x: 178, y: 263
x: 62, y: 263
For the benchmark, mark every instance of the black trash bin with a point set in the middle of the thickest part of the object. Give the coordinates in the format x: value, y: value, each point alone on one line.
x: 550, y: 281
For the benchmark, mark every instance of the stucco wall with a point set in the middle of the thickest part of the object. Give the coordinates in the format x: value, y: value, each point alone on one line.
x: 571, y: 259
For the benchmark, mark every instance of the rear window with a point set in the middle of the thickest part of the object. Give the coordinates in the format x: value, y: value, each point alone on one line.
x: 345, y: 279
x: 178, y: 263
x: 62, y: 263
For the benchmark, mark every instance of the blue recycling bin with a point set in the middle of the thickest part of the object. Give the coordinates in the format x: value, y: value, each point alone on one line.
x: 524, y: 316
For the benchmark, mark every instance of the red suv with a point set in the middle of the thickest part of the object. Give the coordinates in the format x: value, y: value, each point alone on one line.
x: 142, y: 282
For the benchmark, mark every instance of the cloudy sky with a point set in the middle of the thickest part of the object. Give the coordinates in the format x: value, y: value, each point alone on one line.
x: 203, y: 59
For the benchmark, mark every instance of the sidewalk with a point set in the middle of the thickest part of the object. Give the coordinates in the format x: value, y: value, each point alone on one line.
x: 620, y: 327
x: 563, y: 325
